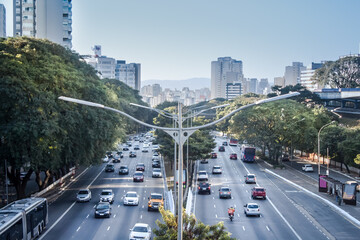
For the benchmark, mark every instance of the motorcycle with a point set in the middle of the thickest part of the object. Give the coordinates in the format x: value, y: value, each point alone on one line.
x: 231, y: 216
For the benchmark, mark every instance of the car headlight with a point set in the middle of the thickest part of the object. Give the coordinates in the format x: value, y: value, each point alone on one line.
x: 96, y: 212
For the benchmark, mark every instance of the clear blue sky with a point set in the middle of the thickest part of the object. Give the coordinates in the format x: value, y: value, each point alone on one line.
x: 176, y: 40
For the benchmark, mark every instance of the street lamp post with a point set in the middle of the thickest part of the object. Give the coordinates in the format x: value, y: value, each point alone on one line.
x: 179, y: 134
x: 318, y: 153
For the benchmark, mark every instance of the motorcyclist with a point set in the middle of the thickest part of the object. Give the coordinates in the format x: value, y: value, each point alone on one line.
x: 231, y: 211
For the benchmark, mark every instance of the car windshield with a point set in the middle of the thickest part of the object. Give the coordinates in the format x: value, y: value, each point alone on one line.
x: 131, y: 195
x: 140, y: 229
x: 141, y: 165
x: 253, y: 206
x: 215, y: 167
x: 156, y: 170
x: 156, y: 197
x: 106, y: 193
x: 251, y: 176
x: 110, y: 166
x: 123, y: 167
x: 102, y: 206
x: 202, y: 173
x: 225, y: 189
x: 259, y: 189
x: 83, y: 192
x: 138, y: 174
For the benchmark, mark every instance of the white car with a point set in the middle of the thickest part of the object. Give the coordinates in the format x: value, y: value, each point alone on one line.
x: 131, y: 198
x: 156, y: 173
x: 84, y: 195
x: 155, y: 158
x: 155, y: 147
x: 107, y: 195
x: 105, y: 159
x: 252, y: 209
x: 307, y: 168
x: 203, y: 176
x: 140, y: 231
x: 145, y: 149
x: 217, y: 169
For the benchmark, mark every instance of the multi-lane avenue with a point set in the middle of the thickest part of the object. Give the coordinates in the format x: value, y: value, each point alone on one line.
x: 287, y: 213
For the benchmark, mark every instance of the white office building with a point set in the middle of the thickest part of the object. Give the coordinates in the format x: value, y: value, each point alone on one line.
x: 223, y: 71
x: 50, y: 19
x: 130, y: 74
x: 292, y: 73
x: 2, y: 21
x: 306, y: 77
x: 233, y: 90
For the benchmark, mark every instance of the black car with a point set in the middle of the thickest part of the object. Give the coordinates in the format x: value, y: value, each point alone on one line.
x: 204, y: 187
x: 120, y: 154
x: 225, y: 143
x: 136, y: 147
x: 110, y: 168
x: 123, y: 170
x: 156, y: 164
x: 132, y: 154
x: 285, y: 158
x: 221, y: 149
x: 140, y: 167
x: 116, y: 159
x: 102, y: 209
x: 125, y: 148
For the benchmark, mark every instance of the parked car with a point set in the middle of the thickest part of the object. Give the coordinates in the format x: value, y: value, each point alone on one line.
x: 156, y: 173
x: 233, y: 156
x: 250, y: 178
x: 140, y: 231
x: 213, y: 155
x: 155, y: 147
x: 285, y: 158
x: 155, y: 153
x: 204, y: 187
x: 156, y: 164
x: 131, y: 198
x: 109, y: 167
x: 224, y: 192
x: 258, y: 192
x: 203, y: 176
x: 155, y: 201
x: 216, y: 169
x: 132, y: 154
x: 155, y: 158
x: 123, y: 170
x: 107, y: 195
x: 204, y: 161
x: 102, y: 209
x: 252, y: 209
x: 307, y: 168
x: 140, y: 167
x: 138, y: 176
x: 225, y: 143
x: 84, y: 195
x: 120, y: 153
x: 105, y: 159
x: 221, y: 149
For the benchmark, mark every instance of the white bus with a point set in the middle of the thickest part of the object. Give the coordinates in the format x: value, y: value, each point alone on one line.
x: 23, y: 219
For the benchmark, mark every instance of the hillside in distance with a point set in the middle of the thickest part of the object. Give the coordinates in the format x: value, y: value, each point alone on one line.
x: 192, y: 83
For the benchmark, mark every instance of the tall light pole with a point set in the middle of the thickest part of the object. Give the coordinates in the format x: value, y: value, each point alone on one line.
x: 179, y: 134
x: 291, y: 148
x: 318, y: 153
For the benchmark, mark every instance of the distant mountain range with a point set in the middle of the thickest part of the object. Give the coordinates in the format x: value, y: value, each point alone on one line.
x: 192, y: 83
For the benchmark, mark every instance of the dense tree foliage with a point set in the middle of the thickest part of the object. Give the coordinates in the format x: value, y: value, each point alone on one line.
x: 306, y: 96
x: 343, y: 73
x: 40, y: 133
x: 193, y: 229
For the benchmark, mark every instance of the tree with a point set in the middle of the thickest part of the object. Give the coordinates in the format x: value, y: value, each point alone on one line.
x: 306, y: 96
x: 343, y: 73
x: 193, y: 229
x: 350, y: 147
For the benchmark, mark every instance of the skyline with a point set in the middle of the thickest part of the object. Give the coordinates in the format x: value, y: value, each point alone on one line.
x: 174, y: 41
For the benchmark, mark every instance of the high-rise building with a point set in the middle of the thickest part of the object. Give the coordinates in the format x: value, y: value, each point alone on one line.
x: 129, y: 73
x: 253, y: 85
x: 224, y: 70
x: 44, y: 19
x: 279, y: 81
x: 2, y: 21
x: 306, y: 77
x: 292, y: 73
x: 263, y: 86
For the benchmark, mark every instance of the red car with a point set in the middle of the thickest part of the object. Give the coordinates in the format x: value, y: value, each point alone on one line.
x: 213, y: 155
x: 138, y: 176
x: 258, y: 192
x: 233, y: 156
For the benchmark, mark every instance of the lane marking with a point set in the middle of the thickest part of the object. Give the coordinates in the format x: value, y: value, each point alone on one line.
x: 243, y: 227
x: 108, y: 228
x: 268, y: 228
x: 78, y: 229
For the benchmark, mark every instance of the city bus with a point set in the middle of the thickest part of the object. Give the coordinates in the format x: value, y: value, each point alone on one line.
x: 23, y: 219
x: 350, y: 188
x: 247, y: 154
x: 233, y: 142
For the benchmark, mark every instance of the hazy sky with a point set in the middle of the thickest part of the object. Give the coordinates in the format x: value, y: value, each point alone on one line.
x: 176, y: 40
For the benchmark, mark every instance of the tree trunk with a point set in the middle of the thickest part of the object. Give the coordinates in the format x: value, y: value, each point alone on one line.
x: 38, y: 180
x: 14, y: 177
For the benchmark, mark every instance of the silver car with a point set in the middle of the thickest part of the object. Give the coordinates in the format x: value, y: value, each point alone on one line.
x: 252, y: 209
x: 203, y: 176
x: 250, y: 178
x: 107, y: 195
x: 216, y: 169
x: 156, y: 173
x: 84, y: 195
x: 140, y: 231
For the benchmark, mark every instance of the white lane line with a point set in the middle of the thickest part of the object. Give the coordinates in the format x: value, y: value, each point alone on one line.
x: 214, y: 206
x: 108, y: 228
x: 216, y: 215
x: 67, y: 210
x: 118, y: 206
x: 78, y: 229
x: 243, y: 227
x: 114, y: 216
x: 268, y: 228
x: 88, y: 216
x: 141, y: 216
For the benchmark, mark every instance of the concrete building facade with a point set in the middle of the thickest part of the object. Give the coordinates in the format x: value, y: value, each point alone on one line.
x: 2, y: 21
x: 306, y: 77
x: 233, y: 90
x: 292, y: 73
x: 44, y: 19
x: 224, y: 70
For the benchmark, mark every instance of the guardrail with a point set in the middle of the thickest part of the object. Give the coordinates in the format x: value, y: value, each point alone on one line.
x: 57, y: 182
